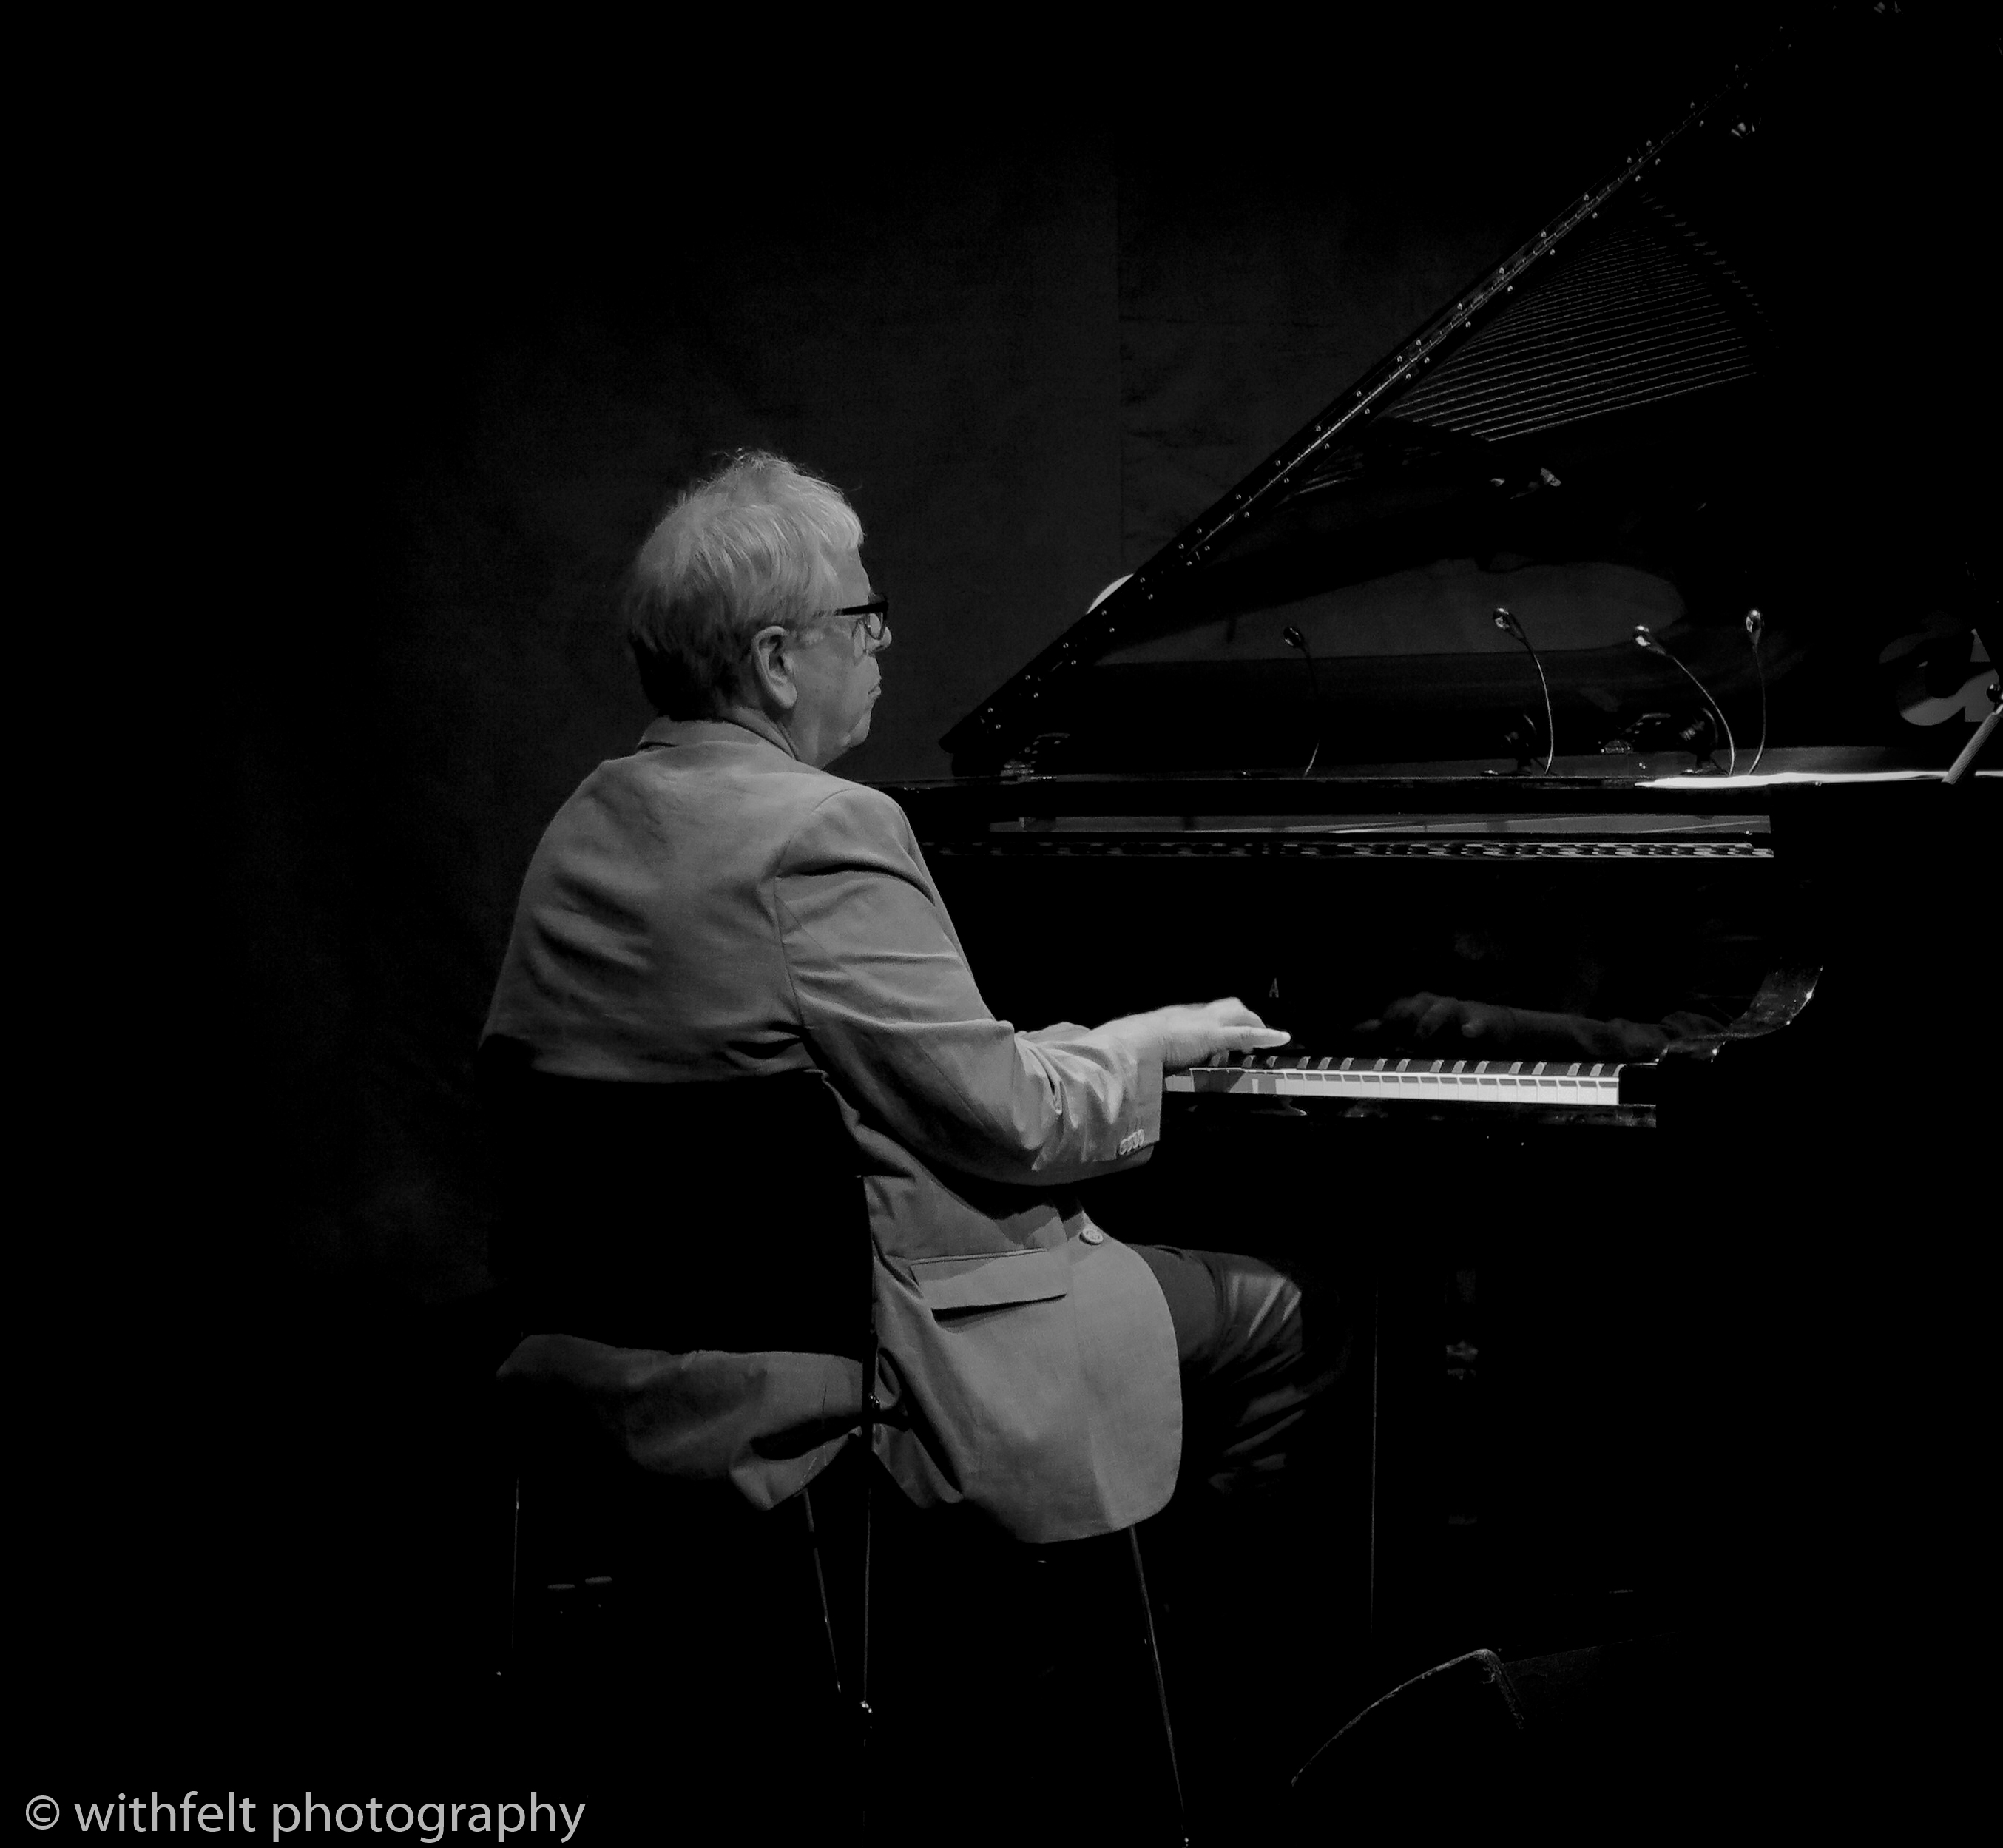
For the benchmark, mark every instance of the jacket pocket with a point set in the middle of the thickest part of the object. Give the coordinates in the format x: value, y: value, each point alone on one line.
x: 951, y: 1285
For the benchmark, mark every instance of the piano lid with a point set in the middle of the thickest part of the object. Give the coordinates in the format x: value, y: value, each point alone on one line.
x: 1652, y: 413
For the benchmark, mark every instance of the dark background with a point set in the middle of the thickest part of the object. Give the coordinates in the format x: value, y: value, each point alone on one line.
x: 431, y: 351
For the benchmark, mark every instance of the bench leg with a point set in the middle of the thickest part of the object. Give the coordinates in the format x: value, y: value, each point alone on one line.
x: 1160, y: 1686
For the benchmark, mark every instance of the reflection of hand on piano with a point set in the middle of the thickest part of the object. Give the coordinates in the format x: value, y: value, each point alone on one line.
x: 1418, y: 1020
x: 1415, y: 1019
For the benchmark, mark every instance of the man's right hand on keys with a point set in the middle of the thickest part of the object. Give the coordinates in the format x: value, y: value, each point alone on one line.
x: 1195, y: 1034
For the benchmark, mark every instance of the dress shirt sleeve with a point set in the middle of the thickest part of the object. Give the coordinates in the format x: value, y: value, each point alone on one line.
x: 891, y: 1010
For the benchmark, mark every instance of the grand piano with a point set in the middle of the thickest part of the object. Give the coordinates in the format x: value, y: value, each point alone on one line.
x: 1611, y: 655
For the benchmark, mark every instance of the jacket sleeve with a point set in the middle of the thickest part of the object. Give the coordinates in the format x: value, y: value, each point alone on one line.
x: 891, y: 1010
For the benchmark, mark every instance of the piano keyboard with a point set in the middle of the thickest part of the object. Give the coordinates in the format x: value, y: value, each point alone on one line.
x: 1577, y: 1086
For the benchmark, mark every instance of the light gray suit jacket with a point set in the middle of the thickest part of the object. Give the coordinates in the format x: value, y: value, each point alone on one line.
x: 710, y: 908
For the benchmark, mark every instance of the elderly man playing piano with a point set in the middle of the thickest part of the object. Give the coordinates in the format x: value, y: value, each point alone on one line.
x: 719, y: 905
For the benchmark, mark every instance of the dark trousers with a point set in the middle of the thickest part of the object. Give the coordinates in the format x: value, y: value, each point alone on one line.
x: 1249, y: 1376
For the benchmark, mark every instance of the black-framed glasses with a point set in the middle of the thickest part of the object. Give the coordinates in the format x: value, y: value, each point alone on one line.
x: 871, y: 625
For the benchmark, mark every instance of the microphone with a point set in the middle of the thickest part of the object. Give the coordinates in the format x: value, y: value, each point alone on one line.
x: 1755, y: 627
x: 1510, y: 625
x: 1294, y: 639
x: 1645, y: 637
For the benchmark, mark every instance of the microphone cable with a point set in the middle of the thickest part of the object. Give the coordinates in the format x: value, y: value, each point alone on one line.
x: 1510, y: 625
x: 1645, y: 637
x: 1755, y: 627
x: 1294, y: 639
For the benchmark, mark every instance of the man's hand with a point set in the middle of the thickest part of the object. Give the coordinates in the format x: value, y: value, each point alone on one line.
x: 1187, y: 1036
x: 1418, y: 1018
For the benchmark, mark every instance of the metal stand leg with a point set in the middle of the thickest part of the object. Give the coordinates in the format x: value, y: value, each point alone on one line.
x: 820, y: 1585
x: 871, y: 1410
x: 1376, y: 1366
x: 868, y: 1497
x: 1160, y: 1686
x: 866, y: 1715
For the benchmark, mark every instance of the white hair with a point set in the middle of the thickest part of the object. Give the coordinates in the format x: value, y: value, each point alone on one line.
x: 752, y: 545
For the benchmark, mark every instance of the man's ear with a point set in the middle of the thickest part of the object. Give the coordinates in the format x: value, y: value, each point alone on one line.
x: 771, y: 673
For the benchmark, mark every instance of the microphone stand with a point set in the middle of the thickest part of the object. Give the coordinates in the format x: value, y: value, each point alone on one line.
x: 1294, y: 639
x: 1645, y: 638
x: 1755, y: 627
x: 1510, y: 625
